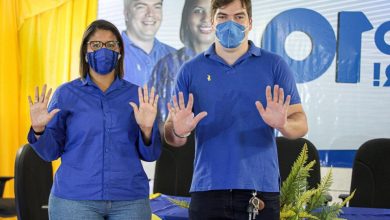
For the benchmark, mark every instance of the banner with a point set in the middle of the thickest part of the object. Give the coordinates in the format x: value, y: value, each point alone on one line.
x: 339, y: 52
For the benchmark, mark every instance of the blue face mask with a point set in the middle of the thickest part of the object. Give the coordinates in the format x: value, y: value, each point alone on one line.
x: 230, y: 34
x: 103, y: 61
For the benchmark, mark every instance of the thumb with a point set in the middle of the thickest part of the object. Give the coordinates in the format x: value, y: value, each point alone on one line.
x: 199, y: 117
x: 53, y: 112
x: 260, y: 107
x: 135, y: 107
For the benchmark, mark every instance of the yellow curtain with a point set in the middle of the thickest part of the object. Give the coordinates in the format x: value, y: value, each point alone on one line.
x: 39, y: 44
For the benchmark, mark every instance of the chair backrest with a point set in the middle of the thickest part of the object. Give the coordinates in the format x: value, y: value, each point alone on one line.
x: 33, y: 181
x: 288, y: 152
x: 7, y: 205
x: 371, y: 175
x: 174, y: 168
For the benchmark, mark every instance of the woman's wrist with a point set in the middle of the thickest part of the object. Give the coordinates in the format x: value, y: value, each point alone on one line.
x: 38, y: 131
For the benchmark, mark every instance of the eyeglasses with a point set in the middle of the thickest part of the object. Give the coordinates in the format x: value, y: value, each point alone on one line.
x: 96, y: 45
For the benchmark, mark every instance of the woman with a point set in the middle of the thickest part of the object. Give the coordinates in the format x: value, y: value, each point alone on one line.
x: 197, y: 35
x: 101, y: 127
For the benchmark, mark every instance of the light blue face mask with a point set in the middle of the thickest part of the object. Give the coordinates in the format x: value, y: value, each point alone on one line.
x: 103, y: 61
x: 230, y: 34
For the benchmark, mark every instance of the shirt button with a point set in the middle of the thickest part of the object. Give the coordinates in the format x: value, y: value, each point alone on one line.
x: 106, y: 150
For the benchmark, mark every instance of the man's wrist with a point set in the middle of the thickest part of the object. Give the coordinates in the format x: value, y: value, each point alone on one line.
x: 181, y: 136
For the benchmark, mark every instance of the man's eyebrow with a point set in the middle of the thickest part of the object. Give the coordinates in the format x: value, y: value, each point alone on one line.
x: 240, y: 13
x: 221, y: 13
x: 139, y: 3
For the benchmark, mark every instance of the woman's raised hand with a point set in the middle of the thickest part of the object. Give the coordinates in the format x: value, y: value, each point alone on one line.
x: 38, y: 109
x: 146, y: 112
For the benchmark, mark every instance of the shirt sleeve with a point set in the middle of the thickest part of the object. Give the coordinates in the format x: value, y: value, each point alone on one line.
x: 152, y: 151
x: 182, y: 82
x: 50, y: 144
x: 285, y: 79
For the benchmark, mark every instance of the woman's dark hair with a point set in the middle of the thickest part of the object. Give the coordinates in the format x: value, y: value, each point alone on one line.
x: 185, y: 33
x: 91, y: 29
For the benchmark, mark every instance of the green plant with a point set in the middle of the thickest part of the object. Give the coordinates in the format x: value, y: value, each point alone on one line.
x: 299, y: 202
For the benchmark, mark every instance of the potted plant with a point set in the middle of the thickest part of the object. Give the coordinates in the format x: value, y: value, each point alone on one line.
x: 299, y: 202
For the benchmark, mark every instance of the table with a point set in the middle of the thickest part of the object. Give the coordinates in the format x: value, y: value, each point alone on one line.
x: 357, y: 213
x: 164, y: 207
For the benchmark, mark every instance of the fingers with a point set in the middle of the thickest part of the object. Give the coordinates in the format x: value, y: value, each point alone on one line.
x: 190, y: 102
x: 179, y: 104
x: 47, y: 96
x: 169, y: 106
x: 42, y: 98
x: 30, y: 101
x: 153, y: 100
x: 146, y: 94
x: 276, y: 93
x: 175, y: 105
x: 268, y: 94
x: 156, y: 100
x: 143, y: 96
x: 171, y: 109
x: 277, y: 96
x: 140, y: 95
x: 152, y: 96
x: 36, y: 94
x: 287, y: 103
x: 181, y: 101
x: 281, y: 96
x: 260, y: 107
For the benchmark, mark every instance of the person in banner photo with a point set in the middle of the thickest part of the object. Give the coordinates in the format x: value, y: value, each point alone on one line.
x: 234, y: 95
x: 142, y: 49
x: 101, y: 127
x: 197, y: 35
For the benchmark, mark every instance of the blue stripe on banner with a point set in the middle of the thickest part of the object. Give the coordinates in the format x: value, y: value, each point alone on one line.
x: 337, y: 158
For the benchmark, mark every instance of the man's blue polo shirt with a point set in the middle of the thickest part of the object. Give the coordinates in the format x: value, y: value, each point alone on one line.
x: 139, y: 64
x: 235, y: 148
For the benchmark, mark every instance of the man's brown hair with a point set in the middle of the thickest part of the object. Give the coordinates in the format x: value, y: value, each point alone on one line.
x: 215, y: 4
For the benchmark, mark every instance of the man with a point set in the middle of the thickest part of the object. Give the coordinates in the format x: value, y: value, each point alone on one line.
x: 241, y: 89
x: 142, y: 49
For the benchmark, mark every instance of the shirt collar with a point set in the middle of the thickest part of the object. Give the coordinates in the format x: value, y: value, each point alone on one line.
x: 127, y: 41
x: 255, y: 51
